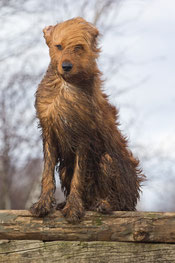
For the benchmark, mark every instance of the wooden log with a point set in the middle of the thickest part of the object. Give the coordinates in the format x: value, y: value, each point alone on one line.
x: 85, y: 252
x: 119, y: 226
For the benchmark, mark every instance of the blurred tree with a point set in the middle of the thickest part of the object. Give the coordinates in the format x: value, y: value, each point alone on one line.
x: 17, y: 139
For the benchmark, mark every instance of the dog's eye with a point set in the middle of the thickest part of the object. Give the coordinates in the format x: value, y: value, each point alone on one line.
x: 78, y: 47
x: 59, y: 47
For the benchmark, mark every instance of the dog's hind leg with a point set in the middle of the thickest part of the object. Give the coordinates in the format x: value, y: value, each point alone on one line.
x: 102, y: 202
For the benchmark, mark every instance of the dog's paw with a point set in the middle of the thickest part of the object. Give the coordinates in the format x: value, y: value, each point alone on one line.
x: 102, y: 206
x: 43, y: 206
x: 73, y: 211
x: 72, y: 215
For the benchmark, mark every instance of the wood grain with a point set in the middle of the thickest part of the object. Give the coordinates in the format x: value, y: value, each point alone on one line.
x: 119, y: 226
x: 85, y: 252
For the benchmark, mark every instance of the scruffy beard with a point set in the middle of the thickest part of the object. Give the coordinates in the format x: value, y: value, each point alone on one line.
x: 80, y: 78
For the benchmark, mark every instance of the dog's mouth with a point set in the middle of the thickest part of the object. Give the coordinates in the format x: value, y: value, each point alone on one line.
x: 74, y: 75
x: 71, y: 78
x: 66, y: 75
x: 81, y: 79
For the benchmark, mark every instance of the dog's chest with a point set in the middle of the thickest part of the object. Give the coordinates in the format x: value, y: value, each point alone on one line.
x: 59, y: 106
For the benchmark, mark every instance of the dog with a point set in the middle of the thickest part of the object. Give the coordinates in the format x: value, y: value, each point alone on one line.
x: 80, y: 130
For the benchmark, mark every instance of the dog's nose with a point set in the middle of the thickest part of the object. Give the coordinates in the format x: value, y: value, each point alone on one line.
x: 67, y: 66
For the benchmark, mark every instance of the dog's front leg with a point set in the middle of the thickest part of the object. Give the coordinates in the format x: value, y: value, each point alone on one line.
x: 47, y: 200
x: 74, y: 209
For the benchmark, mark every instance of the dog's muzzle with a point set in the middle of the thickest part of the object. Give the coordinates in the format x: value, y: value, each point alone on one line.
x: 67, y: 66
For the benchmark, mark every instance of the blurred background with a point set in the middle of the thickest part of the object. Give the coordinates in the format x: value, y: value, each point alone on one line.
x: 137, y: 61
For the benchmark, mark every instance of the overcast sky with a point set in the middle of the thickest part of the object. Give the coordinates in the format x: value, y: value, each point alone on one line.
x: 151, y: 47
x: 156, y: 46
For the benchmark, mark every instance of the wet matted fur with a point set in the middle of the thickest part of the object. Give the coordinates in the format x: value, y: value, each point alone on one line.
x: 80, y: 130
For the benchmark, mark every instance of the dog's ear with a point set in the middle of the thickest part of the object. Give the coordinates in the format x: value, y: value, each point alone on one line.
x: 48, y: 33
x: 95, y: 34
x: 95, y: 31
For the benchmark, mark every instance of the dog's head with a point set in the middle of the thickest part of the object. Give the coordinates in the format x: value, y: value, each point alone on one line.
x: 73, y: 48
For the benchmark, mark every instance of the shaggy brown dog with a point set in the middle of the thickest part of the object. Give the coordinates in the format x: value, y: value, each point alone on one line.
x: 79, y: 130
